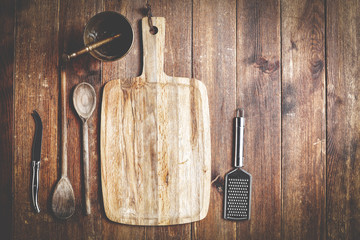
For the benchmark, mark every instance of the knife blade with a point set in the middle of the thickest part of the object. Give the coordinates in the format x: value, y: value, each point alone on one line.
x: 36, y: 157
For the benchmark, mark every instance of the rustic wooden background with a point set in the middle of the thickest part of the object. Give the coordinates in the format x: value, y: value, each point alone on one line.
x: 292, y: 64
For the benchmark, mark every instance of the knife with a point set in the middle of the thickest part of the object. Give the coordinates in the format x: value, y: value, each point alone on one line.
x: 36, y: 156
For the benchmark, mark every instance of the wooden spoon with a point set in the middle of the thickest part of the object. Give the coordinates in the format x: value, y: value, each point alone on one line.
x: 84, y: 99
x: 63, y: 201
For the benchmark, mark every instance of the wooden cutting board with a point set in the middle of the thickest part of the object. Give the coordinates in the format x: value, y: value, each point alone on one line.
x: 155, y: 143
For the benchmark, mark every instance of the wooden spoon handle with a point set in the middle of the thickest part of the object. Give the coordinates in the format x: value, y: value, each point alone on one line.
x: 63, y: 124
x: 86, y: 167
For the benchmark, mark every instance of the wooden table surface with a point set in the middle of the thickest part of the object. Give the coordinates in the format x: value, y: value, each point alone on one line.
x: 292, y: 64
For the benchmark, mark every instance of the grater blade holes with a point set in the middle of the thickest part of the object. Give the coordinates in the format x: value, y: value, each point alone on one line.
x: 238, y: 198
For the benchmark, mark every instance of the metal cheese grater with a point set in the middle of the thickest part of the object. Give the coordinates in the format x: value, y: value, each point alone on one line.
x: 237, y: 197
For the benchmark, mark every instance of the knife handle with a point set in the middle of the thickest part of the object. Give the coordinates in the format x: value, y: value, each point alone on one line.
x: 35, y: 184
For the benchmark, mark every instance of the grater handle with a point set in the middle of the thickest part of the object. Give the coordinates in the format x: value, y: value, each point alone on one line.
x: 239, y: 125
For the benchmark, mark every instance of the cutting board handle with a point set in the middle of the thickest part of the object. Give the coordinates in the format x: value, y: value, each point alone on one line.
x: 153, y: 50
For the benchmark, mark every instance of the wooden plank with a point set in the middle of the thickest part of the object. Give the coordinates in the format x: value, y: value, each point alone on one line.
x: 259, y: 93
x: 128, y: 66
x: 343, y: 129
x: 36, y: 87
x: 7, y: 17
x: 73, y: 17
x: 303, y: 119
x: 178, y: 17
x: 177, y: 62
x: 214, y: 63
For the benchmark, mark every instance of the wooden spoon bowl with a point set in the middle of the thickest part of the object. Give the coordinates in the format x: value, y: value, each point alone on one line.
x: 63, y: 202
x: 84, y: 99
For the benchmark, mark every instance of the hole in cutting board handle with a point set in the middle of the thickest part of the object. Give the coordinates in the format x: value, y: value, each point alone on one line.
x: 154, y: 30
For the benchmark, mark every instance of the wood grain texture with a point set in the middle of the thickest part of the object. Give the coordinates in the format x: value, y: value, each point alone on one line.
x: 128, y: 66
x: 214, y: 62
x: 84, y: 100
x: 343, y: 128
x: 7, y: 28
x: 155, y: 143
x: 232, y: 47
x: 177, y: 62
x: 259, y: 93
x: 35, y: 88
x: 73, y: 17
x: 63, y: 198
x: 303, y: 120
x: 64, y: 101
x: 86, y: 167
x: 178, y: 15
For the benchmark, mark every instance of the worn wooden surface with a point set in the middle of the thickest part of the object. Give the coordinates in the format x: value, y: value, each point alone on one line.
x: 35, y: 87
x: 293, y: 66
x: 63, y: 198
x: 259, y: 92
x: 7, y: 15
x: 303, y: 119
x: 155, y: 143
x: 214, y: 62
x: 84, y: 101
x: 343, y: 124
